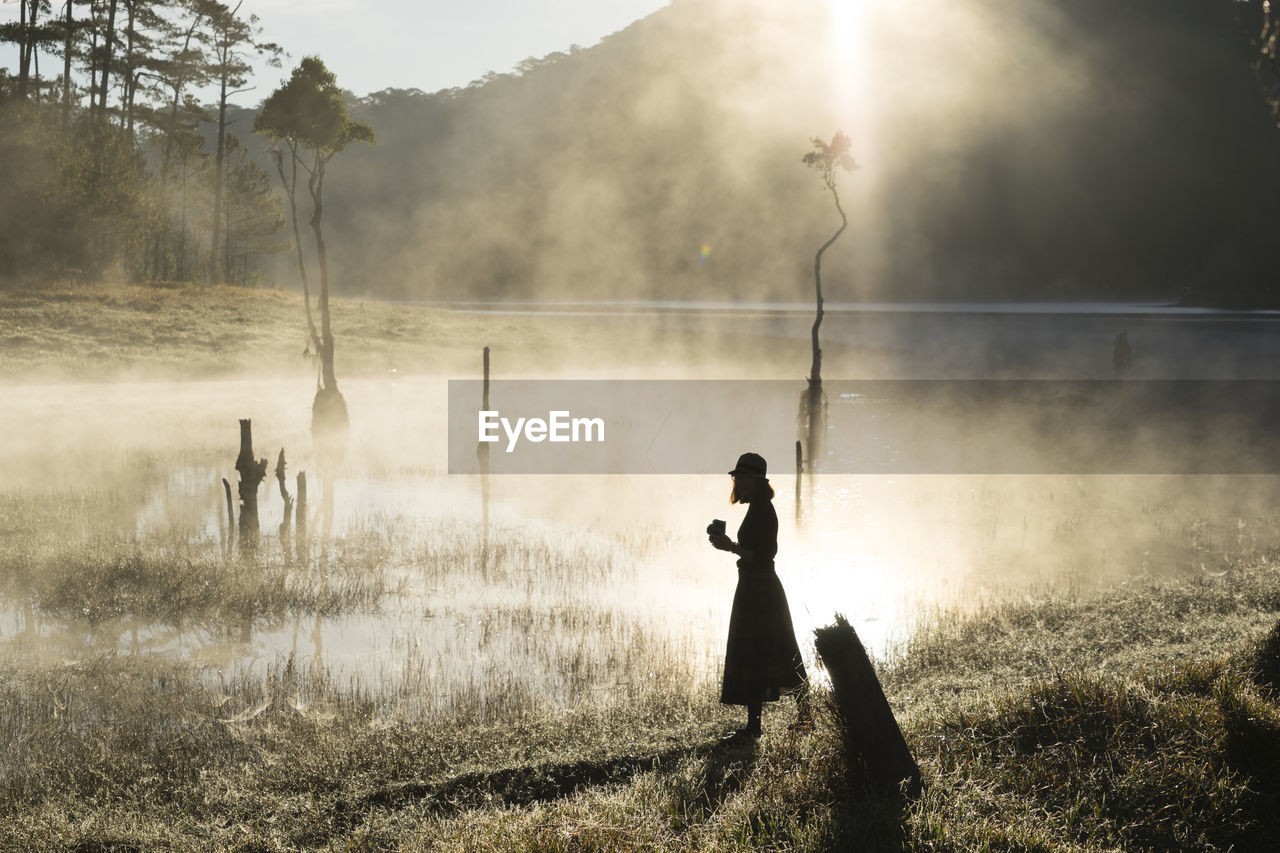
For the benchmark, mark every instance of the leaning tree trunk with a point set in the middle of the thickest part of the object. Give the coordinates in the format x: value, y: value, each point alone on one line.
x: 252, y: 473
x: 290, y: 184
x: 329, y: 419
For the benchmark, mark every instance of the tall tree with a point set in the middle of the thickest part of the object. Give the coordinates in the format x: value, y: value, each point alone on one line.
x: 146, y: 28
x: 308, y: 116
x: 828, y: 159
x: 68, y: 40
x: 233, y: 38
x: 108, y: 46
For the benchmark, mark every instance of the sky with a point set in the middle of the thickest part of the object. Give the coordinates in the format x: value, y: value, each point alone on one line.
x: 430, y: 45
x: 424, y: 44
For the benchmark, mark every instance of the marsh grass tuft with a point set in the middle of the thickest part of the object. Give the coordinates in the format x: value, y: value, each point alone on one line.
x: 166, y: 580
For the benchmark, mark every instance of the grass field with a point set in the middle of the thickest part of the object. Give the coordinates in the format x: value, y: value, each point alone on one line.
x: 1100, y: 674
x: 1142, y: 720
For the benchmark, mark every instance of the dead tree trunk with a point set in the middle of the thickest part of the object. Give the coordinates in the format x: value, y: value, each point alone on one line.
x: 300, y: 522
x: 870, y: 732
x: 287, y: 519
x: 252, y: 473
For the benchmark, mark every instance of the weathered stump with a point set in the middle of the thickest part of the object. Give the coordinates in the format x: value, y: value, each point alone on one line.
x: 871, y: 734
x: 286, y: 520
x: 252, y: 473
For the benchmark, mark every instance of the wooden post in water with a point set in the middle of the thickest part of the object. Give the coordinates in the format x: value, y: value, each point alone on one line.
x: 482, y: 451
x: 252, y: 473
x: 870, y: 732
x: 231, y: 515
x: 300, y: 521
x: 286, y: 520
x: 799, y: 469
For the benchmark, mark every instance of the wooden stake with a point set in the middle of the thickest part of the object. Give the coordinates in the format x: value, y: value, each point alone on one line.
x: 300, y: 521
x: 231, y: 514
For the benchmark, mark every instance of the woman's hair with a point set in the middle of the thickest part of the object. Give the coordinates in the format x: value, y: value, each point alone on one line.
x: 766, y: 491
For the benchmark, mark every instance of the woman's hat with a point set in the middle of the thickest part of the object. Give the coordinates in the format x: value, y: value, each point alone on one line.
x: 749, y: 463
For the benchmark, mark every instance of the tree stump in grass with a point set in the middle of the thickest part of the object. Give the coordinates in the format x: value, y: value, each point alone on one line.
x: 252, y: 473
x: 870, y: 732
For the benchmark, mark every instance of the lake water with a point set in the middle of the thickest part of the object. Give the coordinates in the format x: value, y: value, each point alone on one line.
x: 653, y: 600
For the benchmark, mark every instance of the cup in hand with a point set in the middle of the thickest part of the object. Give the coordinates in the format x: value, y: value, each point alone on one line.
x: 716, y: 527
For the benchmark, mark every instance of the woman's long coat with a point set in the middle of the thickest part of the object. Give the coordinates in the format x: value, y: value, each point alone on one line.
x: 762, y: 660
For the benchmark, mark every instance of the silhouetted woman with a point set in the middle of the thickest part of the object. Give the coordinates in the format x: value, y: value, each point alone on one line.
x: 762, y: 659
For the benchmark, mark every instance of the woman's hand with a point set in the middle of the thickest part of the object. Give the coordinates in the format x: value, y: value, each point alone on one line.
x: 722, y: 542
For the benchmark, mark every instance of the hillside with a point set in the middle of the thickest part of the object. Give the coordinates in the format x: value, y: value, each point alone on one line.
x: 1008, y: 150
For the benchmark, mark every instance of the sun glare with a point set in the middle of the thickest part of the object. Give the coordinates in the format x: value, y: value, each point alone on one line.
x: 848, y: 54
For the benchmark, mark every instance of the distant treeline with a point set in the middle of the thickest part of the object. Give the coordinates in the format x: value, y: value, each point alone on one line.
x: 102, y: 152
x: 1010, y: 149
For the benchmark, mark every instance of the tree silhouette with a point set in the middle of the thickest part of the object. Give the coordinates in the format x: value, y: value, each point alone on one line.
x: 308, y: 116
x: 828, y: 158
